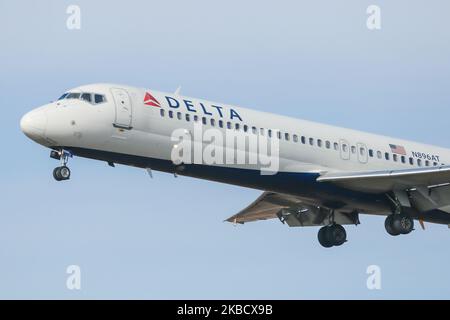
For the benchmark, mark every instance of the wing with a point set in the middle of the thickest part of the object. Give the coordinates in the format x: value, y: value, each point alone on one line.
x: 421, y: 188
x: 291, y: 210
x: 265, y: 207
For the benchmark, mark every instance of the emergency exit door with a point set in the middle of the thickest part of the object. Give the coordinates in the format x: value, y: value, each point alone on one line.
x: 362, y: 153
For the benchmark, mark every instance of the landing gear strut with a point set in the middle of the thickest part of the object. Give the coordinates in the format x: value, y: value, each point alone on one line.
x: 332, y: 235
x: 62, y: 172
x: 399, y: 223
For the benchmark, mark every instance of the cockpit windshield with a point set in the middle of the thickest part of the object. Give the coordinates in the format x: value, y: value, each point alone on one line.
x: 73, y: 95
x: 92, y: 98
x: 63, y: 96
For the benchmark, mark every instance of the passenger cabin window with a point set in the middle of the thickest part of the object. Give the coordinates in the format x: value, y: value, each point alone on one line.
x: 170, y: 114
x: 221, y: 123
x: 371, y: 153
x: 261, y: 131
x: 303, y: 139
x: 295, y: 138
x: 311, y: 141
x: 379, y: 154
x: 179, y: 115
x: 188, y: 117
x: 286, y: 136
x: 403, y: 158
x: 213, y: 122
x: 279, y: 134
x: 353, y: 149
x: 427, y: 163
x: 386, y: 156
x: 328, y: 144
x: 344, y: 147
x: 195, y: 117
x: 395, y: 157
x: 362, y: 151
x: 336, y: 146
x: 229, y: 125
x: 419, y: 162
x: 254, y: 131
x: 204, y: 120
x: 269, y: 133
x: 319, y: 143
x: 161, y: 112
x: 411, y: 161
x: 236, y: 126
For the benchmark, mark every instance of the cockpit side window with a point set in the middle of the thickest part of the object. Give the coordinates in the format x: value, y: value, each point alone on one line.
x: 98, y: 98
x: 86, y: 97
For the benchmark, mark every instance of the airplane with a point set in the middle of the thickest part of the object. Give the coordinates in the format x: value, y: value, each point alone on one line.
x: 326, y: 176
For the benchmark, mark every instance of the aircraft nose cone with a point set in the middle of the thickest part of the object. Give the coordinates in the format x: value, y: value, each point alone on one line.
x: 33, y: 124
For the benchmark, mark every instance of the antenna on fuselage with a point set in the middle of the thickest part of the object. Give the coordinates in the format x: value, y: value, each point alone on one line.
x: 177, y: 92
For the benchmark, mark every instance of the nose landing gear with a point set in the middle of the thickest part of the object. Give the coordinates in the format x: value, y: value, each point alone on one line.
x: 62, y: 172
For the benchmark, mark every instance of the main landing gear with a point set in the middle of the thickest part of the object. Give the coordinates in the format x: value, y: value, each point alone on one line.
x: 399, y: 223
x: 332, y: 235
x: 62, y: 172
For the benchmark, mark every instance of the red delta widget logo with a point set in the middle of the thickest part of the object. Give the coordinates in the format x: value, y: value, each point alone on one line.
x: 209, y: 110
x: 150, y: 100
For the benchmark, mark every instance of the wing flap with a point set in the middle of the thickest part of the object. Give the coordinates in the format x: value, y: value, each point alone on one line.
x: 290, y: 210
x: 265, y: 207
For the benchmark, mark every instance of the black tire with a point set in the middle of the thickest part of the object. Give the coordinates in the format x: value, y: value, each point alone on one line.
x: 337, y: 234
x: 56, y: 174
x: 402, y: 223
x: 64, y: 173
x: 323, y: 237
x: 388, y: 224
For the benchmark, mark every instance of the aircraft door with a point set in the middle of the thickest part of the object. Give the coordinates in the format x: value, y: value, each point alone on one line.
x: 123, y: 108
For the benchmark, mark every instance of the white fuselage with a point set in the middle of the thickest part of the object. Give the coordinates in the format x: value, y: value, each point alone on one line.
x: 130, y: 128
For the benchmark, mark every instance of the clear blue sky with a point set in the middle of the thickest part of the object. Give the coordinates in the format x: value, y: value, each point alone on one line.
x: 134, y: 237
